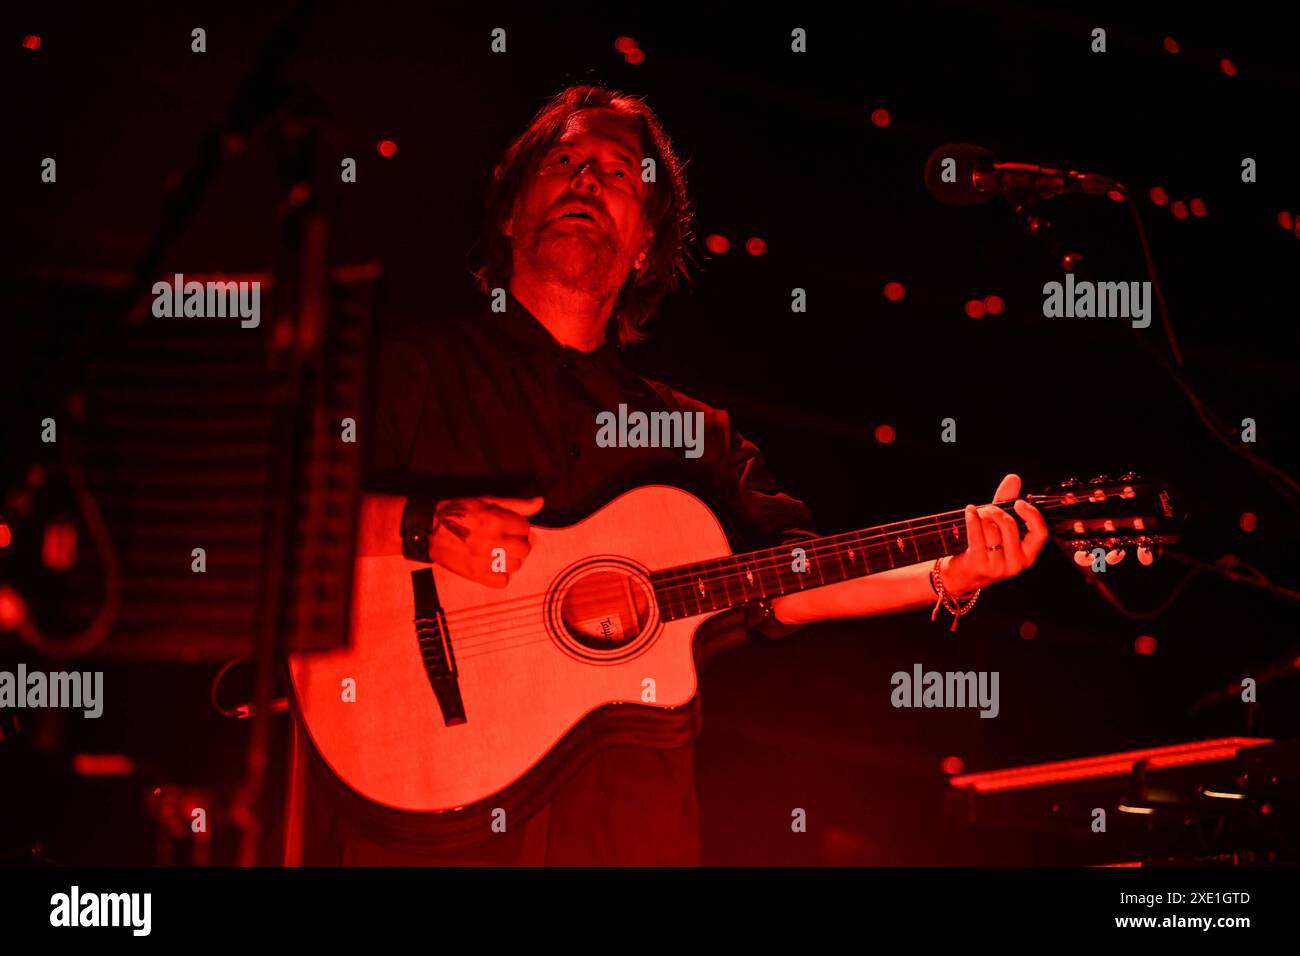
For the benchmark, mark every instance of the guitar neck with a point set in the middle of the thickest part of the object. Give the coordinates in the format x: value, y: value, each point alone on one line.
x: 707, y: 586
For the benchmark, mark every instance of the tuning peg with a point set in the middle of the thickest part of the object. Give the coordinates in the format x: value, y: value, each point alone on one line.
x: 1082, y: 558
x: 1128, y: 476
x: 1115, y: 556
x: 1099, y: 480
x: 1145, y: 555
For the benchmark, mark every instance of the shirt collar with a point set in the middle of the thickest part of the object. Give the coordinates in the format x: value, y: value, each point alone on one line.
x: 528, y: 337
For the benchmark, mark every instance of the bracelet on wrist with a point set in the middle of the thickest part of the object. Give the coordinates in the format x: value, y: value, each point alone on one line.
x: 956, y: 605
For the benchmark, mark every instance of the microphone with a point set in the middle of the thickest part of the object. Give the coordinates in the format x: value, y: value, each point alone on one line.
x: 962, y: 174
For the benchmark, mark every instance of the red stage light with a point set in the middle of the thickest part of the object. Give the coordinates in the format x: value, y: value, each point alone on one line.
x: 894, y: 291
x: 624, y: 44
x: 387, y: 148
x: 59, y: 549
x: 12, y: 609
x: 881, y: 118
x: 975, y: 309
x: 755, y: 246
x: 1115, y: 196
x: 6, y: 536
x: 1228, y: 67
x: 1028, y: 631
x: 1247, y: 521
x: 1159, y: 196
x: 102, y: 765
x: 994, y: 304
x: 1171, y: 45
x: 885, y: 434
x: 1198, y: 207
x: 635, y: 57
x: 32, y: 42
x: 717, y: 244
x: 1145, y: 644
x: 952, y: 765
x: 1285, y: 221
x: 1179, y: 209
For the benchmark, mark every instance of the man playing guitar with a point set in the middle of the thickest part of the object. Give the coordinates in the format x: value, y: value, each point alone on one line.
x: 485, y: 423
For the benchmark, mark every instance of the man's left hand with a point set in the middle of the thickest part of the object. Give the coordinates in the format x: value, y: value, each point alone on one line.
x: 994, y: 549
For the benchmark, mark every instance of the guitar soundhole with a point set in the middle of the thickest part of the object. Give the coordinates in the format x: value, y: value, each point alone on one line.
x: 604, y: 611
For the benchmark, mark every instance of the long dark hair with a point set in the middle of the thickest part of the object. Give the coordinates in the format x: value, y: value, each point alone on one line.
x: 667, y: 208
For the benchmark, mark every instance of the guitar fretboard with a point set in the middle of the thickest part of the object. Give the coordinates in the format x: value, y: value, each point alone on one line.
x: 707, y: 586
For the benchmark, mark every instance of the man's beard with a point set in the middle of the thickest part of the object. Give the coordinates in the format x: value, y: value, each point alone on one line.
x: 582, y: 261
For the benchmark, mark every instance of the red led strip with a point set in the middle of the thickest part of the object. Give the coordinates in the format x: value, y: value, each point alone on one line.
x: 1106, y: 765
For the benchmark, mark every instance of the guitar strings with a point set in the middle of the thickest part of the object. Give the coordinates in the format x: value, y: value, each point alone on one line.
x: 464, y: 620
x: 734, y: 563
x: 502, y: 639
x: 709, y: 575
x: 470, y: 638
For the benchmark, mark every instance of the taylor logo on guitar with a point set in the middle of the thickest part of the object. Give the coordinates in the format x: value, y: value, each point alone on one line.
x: 461, y: 689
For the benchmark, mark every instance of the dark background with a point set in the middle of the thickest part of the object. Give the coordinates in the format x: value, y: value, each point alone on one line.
x: 780, y: 146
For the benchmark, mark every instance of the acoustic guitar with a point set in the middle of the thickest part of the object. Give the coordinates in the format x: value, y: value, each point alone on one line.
x: 452, y: 692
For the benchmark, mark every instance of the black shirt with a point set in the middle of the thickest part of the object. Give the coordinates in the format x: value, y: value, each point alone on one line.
x: 494, y: 405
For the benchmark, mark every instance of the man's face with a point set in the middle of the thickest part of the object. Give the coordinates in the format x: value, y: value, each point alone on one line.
x: 579, y: 220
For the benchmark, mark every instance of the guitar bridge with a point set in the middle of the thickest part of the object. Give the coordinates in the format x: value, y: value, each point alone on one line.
x: 435, y: 648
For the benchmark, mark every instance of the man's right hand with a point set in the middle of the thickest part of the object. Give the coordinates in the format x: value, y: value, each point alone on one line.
x: 470, y: 530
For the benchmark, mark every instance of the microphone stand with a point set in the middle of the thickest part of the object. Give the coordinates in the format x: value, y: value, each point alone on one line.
x: 301, y: 304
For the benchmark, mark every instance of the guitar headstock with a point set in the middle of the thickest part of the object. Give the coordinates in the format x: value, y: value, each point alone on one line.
x: 1128, y: 513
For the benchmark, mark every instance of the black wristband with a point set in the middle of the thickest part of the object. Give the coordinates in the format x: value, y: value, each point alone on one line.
x: 417, y: 528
